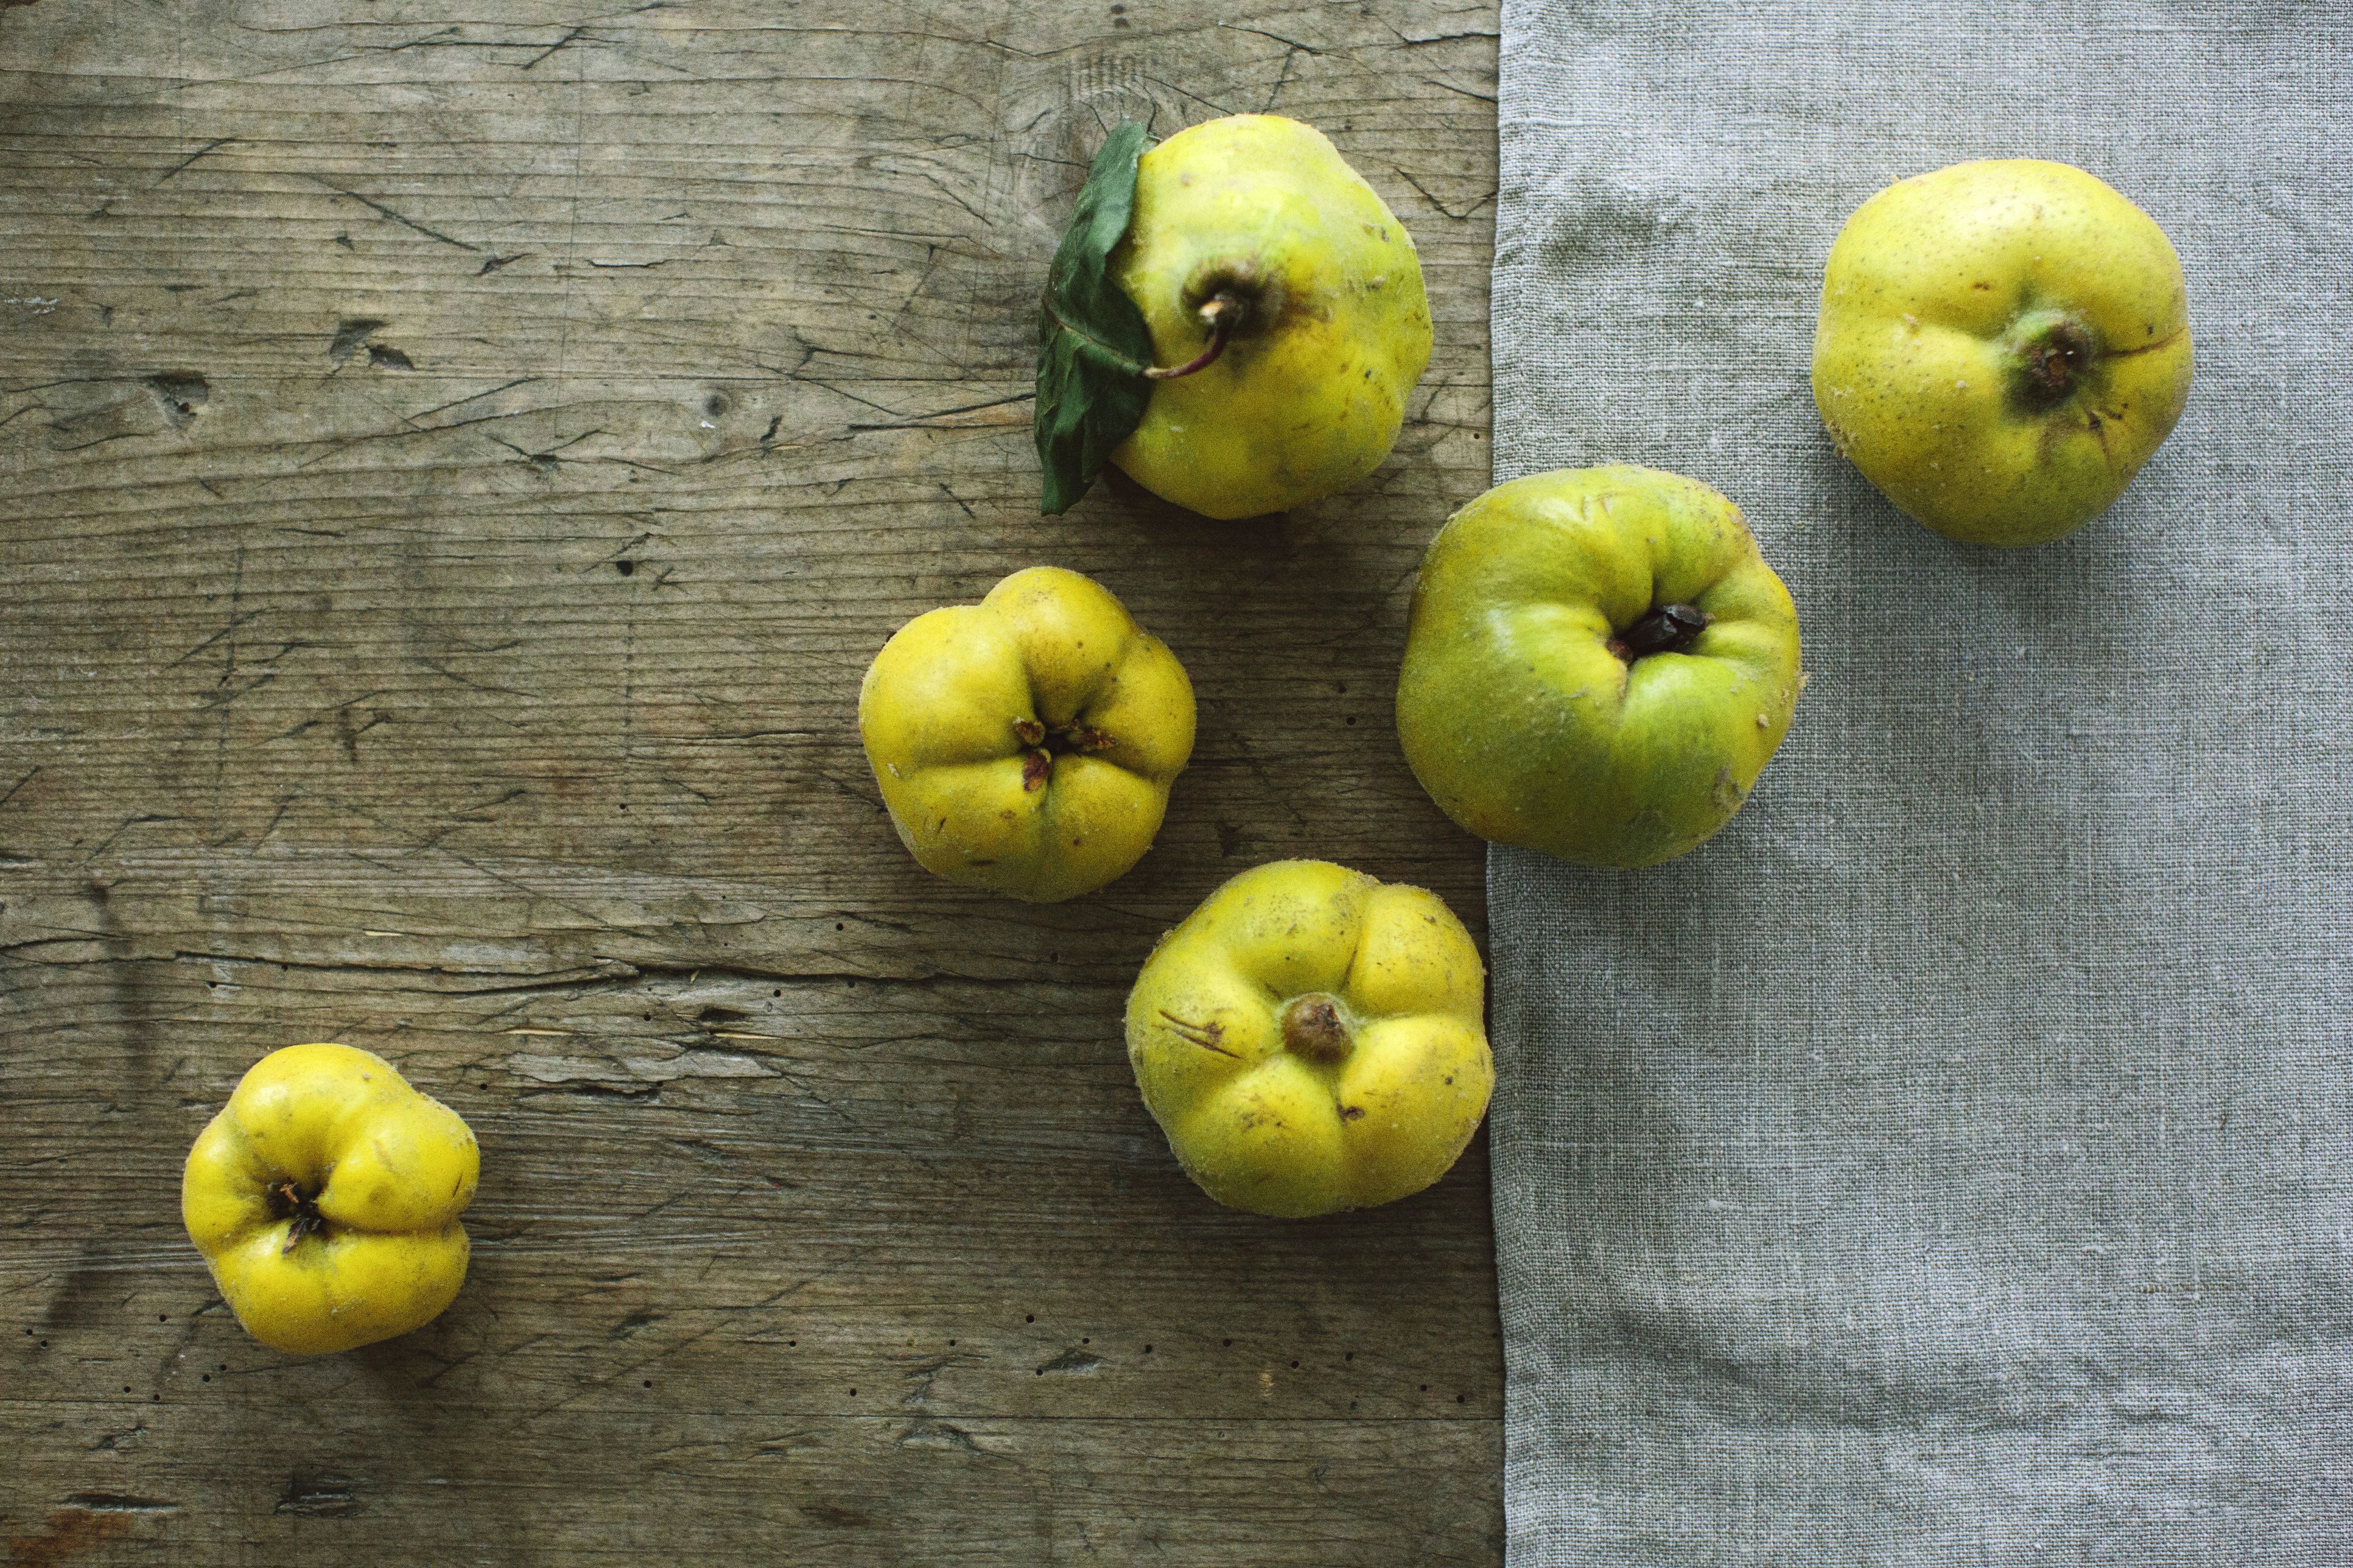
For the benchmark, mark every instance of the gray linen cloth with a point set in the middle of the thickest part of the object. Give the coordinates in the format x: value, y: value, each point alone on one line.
x: 1947, y: 1164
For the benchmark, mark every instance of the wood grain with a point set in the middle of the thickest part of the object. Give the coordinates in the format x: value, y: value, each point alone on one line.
x: 454, y: 470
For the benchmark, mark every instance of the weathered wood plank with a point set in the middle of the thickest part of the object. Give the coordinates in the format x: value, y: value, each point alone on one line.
x: 452, y: 476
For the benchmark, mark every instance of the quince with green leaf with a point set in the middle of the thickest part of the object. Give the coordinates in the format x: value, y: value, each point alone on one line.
x: 1234, y: 319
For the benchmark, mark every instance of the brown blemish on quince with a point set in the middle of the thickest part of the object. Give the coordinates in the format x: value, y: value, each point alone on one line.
x: 1205, y: 1035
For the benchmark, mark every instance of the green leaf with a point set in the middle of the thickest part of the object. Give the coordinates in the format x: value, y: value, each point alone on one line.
x: 1092, y: 343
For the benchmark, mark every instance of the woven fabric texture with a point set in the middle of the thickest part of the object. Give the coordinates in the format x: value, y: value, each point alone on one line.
x: 1951, y: 1163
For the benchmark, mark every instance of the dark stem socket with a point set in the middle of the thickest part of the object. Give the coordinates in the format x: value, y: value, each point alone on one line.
x: 1045, y: 744
x: 2053, y: 362
x: 289, y: 1201
x: 1670, y: 629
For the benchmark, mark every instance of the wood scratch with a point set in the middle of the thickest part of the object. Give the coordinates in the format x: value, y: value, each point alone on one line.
x: 1450, y: 87
x: 922, y: 421
x: 1407, y: 175
x: 211, y: 146
x: 235, y: 620
x: 399, y: 217
x: 20, y: 783
x: 559, y: 44
x: 1278, y: 38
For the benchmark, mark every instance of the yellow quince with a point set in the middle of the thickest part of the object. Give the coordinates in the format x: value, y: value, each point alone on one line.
x: 1313, y: 1040
x: 1234, y: 317
x: 325, y: 1197
x: 1026, y: 744
x: 2001, y: 346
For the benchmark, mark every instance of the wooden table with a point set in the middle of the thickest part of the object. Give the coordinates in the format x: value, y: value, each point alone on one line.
x: 454, y: 469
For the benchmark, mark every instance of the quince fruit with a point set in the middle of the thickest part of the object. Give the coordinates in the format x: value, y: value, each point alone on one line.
x: 1598, y: 665
x: 1313, y: 1040
x: 1026, y: 744
x: 1235, y: 319
x: 2001, y: 346
x: 325, y: 1198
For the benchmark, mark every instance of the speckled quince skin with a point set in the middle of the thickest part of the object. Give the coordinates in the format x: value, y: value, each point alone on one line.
x: 1598, y: 664
x: 2001, y: 345
x: 1026, y: 743
x: 1313, y: 1040
x: 325, y: 1197
x: 1310, y: 391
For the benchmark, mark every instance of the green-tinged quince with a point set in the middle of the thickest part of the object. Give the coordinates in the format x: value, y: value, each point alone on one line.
x: 1026, y: 744
x: 1598, y: 665
x: 325, y: 1197
x: 1236, y: 323
x: 2002, y: 345
x: 1313, y: 1040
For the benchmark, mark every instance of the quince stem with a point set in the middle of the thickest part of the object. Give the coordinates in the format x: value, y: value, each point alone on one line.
x: 1221, y: 312
x: 1313, y: 1028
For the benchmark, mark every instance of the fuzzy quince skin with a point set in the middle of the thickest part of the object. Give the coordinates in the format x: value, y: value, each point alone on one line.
x: 1313, y: 1040
x: 2001, y: 345
x: 325, y: 1198
x: 1598, y: 664
x: 1331, y: 327
x: 1026, y: 745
